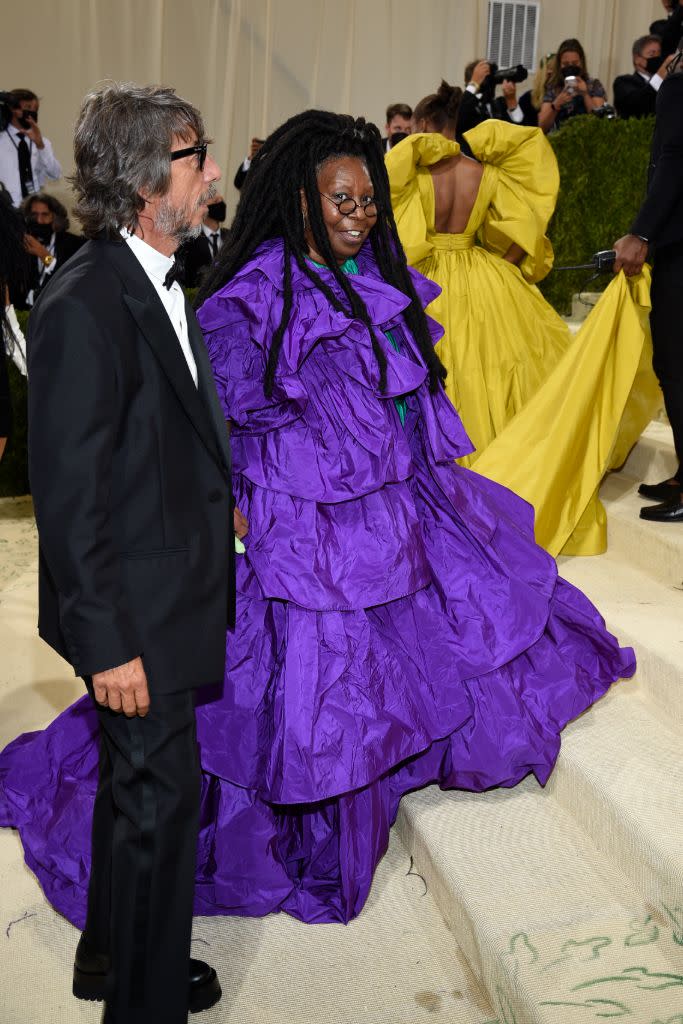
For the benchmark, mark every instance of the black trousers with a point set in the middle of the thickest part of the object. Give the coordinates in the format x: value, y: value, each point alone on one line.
x: 144, y: 842
x: 667, y: 336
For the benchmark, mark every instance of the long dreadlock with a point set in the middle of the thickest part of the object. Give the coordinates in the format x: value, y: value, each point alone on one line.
x: 270, y: 207
x: 13, y: 263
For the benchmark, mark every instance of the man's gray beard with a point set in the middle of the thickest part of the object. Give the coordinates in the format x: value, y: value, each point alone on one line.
x: 174, y: 223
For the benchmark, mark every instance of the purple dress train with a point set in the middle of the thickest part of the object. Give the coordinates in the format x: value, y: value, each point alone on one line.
x: 396, y: 624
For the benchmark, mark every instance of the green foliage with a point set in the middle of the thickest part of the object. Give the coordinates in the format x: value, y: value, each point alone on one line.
x: 603, y: 173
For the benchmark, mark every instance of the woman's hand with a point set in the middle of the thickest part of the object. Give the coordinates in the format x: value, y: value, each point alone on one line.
x: 240, y: 524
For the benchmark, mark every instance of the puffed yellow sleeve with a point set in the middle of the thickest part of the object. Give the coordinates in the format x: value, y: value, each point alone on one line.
x: 524, y: 199
x: 412, y: 204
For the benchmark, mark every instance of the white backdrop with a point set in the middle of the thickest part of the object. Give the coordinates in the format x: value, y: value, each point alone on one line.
x: 249, y: 64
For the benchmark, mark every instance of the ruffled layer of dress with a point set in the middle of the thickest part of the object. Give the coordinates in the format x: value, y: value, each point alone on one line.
x: 397, y: 625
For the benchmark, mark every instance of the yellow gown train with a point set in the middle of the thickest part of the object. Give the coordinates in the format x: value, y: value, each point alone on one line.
x: 549, y: 414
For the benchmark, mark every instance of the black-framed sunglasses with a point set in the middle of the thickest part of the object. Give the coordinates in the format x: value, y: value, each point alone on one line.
x: 348, y: 206
x: 200, y: 149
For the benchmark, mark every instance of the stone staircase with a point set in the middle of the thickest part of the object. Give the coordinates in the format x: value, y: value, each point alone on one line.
x: 567, y: 901
x: 561, y: 905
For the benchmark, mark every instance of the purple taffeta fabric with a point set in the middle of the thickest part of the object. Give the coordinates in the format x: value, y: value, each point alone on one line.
x: 396, y: 623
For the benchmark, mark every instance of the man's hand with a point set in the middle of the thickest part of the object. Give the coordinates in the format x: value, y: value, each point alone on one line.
x: 481, y: 72
x: 631, y: 254
x: 34, y: 247
x: 509, y: 91
x: 663, y: 71
x: 123, y: 689
x: 240, y: 524
x: 34, y: 135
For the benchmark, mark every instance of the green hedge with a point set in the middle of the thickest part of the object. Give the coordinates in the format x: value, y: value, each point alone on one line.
x: 603, y: 175
x: 603, y: 168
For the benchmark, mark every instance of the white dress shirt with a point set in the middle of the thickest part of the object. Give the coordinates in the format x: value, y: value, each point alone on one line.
x: 156, y: 266
x: 654, y: 80
x: 44, y: 163
x: 16, y: 344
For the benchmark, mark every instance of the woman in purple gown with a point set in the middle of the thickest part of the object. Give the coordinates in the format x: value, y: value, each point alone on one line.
x: 397, y: 625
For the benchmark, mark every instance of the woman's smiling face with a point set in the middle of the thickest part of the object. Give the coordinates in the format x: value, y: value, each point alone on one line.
x: 343, y: 178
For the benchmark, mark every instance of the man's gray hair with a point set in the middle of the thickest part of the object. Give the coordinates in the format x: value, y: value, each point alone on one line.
x: 122, y: 147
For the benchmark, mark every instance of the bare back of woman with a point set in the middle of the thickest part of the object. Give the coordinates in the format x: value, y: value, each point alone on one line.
x: 456, y: 187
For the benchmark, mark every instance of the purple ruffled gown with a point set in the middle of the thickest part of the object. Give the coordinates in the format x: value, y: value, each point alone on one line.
x: 396, y: 624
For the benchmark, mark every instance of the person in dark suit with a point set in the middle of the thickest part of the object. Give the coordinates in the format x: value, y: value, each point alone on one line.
x: 243, y: 169
x: 669, y: 29
x: 198, y: 253
x: 130, y: 472
x: 49, y: 243
x: 659, y: 226
x: 636, y: 95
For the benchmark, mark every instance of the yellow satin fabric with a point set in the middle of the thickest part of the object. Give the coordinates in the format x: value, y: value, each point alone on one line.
x: 549, y: 414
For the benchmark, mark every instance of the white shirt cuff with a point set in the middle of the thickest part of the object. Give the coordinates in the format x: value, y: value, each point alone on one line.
x: 472, y: 88
x: 19, y: 346
x: 516, y: 114
x: 247, y: 164
x: 655, y: 82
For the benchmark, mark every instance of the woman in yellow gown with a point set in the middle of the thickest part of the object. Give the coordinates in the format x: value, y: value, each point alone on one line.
x: 548, y: 414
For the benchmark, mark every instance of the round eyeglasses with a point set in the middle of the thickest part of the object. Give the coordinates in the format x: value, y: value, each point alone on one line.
x: 200, y: 149
x: 348, y: 206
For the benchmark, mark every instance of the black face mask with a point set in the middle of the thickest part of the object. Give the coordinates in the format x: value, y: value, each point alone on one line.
x: 572, y: 69
x: 29, y: 118
x: 217, y: 211
x: 653, y: 64
x: 43, y: 232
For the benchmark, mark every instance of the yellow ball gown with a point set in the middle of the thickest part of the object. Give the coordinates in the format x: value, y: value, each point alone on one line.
x: 549, y: 413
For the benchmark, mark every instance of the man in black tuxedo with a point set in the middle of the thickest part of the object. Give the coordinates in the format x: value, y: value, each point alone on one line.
x: 669, y: 29
x: 199, y: 253
x: 636, y: 95
x: 130, y: 471
x: 49, y: 243
x: 659, y: 225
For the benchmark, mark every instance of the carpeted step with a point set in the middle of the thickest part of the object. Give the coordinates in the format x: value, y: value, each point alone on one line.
x: 554, y: 929
x: 653, y: 458
x: 654, y: 548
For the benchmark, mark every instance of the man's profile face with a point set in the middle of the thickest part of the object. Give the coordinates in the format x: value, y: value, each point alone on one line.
x: 182, y: 209
x: 398, y: 123
x: 40, y: 213
x: 18, y: 113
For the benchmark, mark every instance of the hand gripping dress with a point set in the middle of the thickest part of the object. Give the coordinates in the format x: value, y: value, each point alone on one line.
x: 397, y: 625
x: 548, y: 414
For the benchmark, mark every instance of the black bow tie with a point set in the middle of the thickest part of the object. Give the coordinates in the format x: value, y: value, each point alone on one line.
x: 175, y: 272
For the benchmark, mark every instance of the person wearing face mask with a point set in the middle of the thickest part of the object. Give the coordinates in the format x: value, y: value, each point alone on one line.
x: 571, y: 90
x: 27, y: 159
x: 636, y: 95
x: 199, y: 253
x: 48, y: 243
x: 669, y: 29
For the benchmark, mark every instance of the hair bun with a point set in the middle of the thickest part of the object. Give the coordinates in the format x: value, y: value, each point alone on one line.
x: 450, y: 96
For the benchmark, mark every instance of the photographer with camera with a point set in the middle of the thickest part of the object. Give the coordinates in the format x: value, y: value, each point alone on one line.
x: 26, y: 156
x: 479, y: 102
x: 636, y: 95
x: 571, y: 91
x: 659, y: 227
x: 48, y: 243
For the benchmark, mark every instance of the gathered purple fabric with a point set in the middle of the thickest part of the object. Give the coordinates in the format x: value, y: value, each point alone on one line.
x: 396, y: 624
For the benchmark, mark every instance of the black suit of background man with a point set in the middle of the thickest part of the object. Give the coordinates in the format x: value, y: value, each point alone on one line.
x: 660, y: 221
x: 196, y: 256
x: 634, y: 96
x: 66, y: 246
x: 130, y: 472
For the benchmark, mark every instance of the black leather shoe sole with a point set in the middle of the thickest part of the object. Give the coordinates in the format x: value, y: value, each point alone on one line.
x: 204, y: 992
x: 659, y: 492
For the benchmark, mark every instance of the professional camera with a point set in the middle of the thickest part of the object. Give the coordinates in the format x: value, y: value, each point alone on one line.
x: 606, y: 111
x: 518, y: 73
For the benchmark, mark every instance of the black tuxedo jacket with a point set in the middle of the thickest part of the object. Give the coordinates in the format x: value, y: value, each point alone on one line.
x: 66, y: 245
x: 660, y: 218
x: 195, y: 256
x: 130, y: 473
x: 633, y: 96
x: 240, y: 176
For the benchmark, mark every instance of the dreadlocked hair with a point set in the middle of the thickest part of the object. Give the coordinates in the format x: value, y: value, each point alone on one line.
x: 270, y: 206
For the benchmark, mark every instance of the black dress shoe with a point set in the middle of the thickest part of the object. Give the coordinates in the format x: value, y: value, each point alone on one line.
x: 91, y: 969
x: 670, y: 511
x: 659, y: 492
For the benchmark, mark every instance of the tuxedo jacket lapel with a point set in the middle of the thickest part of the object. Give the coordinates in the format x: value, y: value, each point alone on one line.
x: 207, y: 385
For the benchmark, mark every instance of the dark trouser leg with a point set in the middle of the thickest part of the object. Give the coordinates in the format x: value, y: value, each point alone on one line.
x: 144, y: 850
x: 667, y: 337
